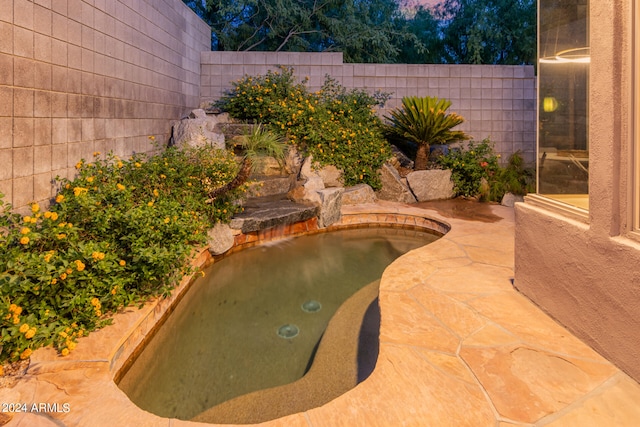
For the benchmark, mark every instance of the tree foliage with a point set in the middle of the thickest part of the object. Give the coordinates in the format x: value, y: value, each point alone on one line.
x: 364, y: 30
x: 489, y: 31
x: 429, y: 48
x: 377, y: 31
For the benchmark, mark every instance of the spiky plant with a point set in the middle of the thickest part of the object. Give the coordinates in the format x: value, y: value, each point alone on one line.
x: 261, y: 143
x: 257, y: 144
x: 425, y: 121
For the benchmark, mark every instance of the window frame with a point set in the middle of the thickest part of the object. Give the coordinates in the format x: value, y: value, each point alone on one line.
x: 635, y: 121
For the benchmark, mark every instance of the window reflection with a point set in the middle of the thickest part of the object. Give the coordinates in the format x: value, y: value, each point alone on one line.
x: 563, y: 74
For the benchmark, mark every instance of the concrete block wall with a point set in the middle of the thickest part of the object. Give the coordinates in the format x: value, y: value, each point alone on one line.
x: 79, y: 76
x: 497, y: 101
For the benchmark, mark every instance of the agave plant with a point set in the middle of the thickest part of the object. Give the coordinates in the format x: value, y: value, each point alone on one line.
x: 425, y: 121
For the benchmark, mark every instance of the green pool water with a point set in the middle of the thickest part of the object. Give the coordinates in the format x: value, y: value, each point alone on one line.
x: 254, y: 320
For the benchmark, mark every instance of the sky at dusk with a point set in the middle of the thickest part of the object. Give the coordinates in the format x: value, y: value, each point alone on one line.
x: 412, y: 5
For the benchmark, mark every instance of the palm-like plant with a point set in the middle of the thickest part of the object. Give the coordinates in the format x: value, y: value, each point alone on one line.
x: 261, y: 143
x: 258, y: 144
x: 425, y: 121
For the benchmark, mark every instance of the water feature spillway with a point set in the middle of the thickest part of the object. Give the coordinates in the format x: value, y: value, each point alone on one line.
x: 254, y: 321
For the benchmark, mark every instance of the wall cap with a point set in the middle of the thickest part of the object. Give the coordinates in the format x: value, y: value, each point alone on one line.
x: 557, y: 207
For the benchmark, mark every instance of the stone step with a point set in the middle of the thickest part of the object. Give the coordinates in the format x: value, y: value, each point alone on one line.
x: 263, y: 186
x: 261, y: 213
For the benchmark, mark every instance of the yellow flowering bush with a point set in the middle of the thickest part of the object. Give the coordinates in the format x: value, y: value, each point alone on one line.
x: 103, y: 246
x: 338, y: 127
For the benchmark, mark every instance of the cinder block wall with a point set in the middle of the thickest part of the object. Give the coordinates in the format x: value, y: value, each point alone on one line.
x: 79, y: 76
x: 497, y: 101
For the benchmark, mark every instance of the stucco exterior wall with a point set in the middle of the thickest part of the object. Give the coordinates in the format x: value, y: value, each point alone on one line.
x: 79, y: 76
x: 587, y: 281
x: 585, y: 273
x: 496, y: 101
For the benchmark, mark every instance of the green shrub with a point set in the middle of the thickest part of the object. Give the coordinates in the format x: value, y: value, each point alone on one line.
x: 121, y: 232
x: 336, y: 126
x: 515, y: 178
x: 476, y: 162
x: 266, y: 98
x: 469, y: 165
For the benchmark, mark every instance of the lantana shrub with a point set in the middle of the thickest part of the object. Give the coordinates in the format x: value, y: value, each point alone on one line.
x: 120, y: 232
x: 337, y: 127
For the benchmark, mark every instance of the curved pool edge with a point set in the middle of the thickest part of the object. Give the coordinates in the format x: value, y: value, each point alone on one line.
x: 133, y: 341
x: 107, y: 352
x: 452, y: 326
x: 368, y: 215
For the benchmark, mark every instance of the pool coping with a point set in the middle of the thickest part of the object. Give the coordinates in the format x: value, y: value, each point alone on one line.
x: 452, y: 328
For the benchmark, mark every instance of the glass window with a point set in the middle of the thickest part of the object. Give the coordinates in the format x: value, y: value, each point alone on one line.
x: 563, y: 83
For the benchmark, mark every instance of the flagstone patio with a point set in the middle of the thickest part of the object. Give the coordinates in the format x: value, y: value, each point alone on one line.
x: 459, y: 346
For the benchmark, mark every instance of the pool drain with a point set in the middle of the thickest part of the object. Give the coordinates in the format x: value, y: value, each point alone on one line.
x: 311, y: 306
x: 288, y: 331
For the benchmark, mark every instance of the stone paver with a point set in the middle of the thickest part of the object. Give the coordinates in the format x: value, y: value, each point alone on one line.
x: 458, y: 346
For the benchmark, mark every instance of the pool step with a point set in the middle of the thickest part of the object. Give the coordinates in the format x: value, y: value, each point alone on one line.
x: 346, y: 355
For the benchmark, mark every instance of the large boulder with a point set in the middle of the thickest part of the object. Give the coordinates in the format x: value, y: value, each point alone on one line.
x: 197, y: 130
x: 297, y: 193
x: 306, y: 169
x: 399, y: 159
x: 394, y: 187
x: 510, y: 199
x: 307, y: 191
x: 314, y: 183
x: 293, y: 161
x: 220, y: 239
x: 312, y: 189
x: 330, y: 205
x: 330, y: 175
x: 310, y: 183
x: 358, y: 194
x: 432, y: 184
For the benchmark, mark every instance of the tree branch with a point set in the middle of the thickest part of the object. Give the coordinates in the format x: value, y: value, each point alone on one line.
x: 237, y: 181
